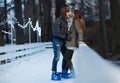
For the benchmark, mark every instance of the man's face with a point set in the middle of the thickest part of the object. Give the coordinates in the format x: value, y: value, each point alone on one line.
x: 68, y: 14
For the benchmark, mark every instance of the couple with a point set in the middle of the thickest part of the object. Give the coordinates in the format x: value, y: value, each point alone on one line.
x: 65, y: 39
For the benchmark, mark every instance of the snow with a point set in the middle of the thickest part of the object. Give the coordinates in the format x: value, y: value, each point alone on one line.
x: 89, y: 68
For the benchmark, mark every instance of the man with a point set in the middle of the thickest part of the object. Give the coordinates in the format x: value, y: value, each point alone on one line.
x: 60, y: 30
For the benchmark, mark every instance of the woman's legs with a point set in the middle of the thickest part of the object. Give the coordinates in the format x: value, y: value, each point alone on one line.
x: 68, y: 58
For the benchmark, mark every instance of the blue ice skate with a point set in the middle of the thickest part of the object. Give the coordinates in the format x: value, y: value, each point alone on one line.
x: 55, y: 76
x: 65, y: 74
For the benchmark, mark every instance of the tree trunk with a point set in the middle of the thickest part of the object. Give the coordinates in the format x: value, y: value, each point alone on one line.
x: 103, y: 29
x: 31, y: 11
x: 59, y: 5
x: 45, y: 19
x: 18, y: 14
x: 115, y: 16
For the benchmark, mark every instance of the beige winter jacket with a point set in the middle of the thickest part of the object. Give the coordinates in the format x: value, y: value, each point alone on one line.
x: 76, y: 34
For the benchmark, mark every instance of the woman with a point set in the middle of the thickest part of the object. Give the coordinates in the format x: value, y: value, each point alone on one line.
x: 75, y: 37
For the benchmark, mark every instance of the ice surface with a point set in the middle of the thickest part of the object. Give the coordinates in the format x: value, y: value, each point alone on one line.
x: 89, y: 68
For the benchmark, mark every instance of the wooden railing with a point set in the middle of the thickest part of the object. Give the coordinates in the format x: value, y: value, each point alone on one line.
x: 12, y: 53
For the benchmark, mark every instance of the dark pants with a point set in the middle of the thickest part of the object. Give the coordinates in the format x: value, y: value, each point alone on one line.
x: 68, y: 58
x: 58, y: 47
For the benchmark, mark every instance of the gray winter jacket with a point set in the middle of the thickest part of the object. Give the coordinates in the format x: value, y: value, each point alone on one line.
x: 60, y: 28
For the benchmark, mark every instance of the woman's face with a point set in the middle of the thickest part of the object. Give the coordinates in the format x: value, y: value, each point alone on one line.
x: 76, y: 14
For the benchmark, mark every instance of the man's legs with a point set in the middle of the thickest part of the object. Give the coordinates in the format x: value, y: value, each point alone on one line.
x: 56, y: 49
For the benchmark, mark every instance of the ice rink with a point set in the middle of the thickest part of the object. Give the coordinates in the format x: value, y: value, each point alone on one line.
x: 89, y: 68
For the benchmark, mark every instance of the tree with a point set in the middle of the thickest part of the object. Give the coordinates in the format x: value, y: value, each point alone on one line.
x: 59, y: 5
x: 41, y: 12
x: 30, y: 11
x: 103, y: 29
x: 115, y: 17
x: 45, y: 19
x: 18, y: 14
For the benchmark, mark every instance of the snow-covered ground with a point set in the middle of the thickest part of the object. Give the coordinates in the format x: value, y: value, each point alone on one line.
x: 89, y: 68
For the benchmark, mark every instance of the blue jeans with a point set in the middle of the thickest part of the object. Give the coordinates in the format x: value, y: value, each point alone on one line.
x: 58, y: 47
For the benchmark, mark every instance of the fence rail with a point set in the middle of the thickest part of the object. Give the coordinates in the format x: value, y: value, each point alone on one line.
x: 14, y: 52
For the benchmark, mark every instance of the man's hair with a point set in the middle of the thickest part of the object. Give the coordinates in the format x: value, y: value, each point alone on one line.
x: 63, y: 11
